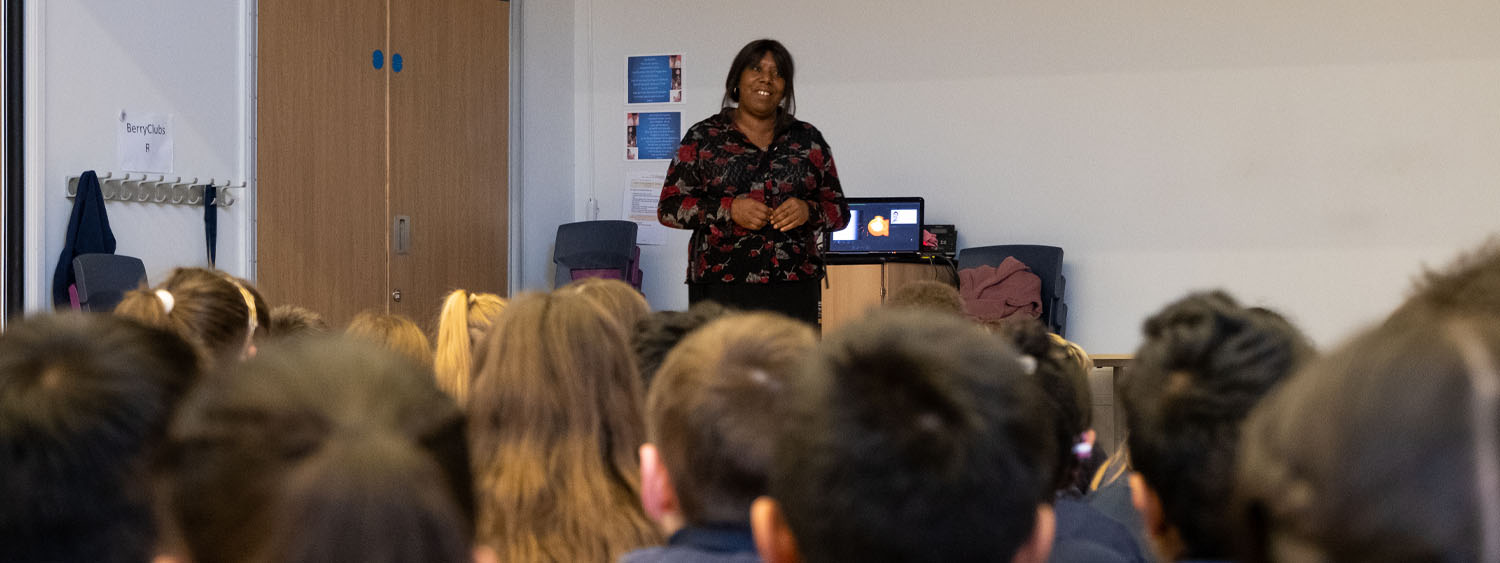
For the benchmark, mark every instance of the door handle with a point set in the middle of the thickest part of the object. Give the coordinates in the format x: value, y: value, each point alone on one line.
x: 401, y: 234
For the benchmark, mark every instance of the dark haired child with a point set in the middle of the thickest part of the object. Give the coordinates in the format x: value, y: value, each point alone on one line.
x: 85, y: 402
x: 1205, y: 363
x: 910, y: 437
x: 710, y: 418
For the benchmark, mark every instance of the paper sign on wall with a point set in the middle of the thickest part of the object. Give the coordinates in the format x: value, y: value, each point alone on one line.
x: 144, y: 142
x: 642, y: 194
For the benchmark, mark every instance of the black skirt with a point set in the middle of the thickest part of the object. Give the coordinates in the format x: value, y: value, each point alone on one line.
x: 798, y: 300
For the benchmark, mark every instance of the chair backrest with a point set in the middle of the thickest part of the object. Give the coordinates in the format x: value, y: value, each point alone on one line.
x: 1044, y: 261
x: 596, y: 249
x: 103, y: 279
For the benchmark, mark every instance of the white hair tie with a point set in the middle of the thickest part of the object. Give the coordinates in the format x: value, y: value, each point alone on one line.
x: 1028, y: 364
x: 167, y: 301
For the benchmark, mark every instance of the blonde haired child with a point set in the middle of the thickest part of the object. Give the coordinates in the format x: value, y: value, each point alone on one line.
x: 462, y: 324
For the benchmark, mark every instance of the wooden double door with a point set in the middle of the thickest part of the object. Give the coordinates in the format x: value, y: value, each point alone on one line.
x: 382, y: 143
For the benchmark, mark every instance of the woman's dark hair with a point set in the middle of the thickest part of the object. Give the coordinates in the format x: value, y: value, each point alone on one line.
x: 752, y: 53
x: 321, y: 450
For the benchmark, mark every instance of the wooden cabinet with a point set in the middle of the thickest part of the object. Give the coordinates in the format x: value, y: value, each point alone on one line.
x: 853, y: 289
x: 381, y: 176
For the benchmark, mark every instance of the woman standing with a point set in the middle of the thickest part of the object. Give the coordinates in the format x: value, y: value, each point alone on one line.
x: 757, y: 187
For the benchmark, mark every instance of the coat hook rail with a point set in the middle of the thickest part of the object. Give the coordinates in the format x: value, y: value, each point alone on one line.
x: 160, y: 188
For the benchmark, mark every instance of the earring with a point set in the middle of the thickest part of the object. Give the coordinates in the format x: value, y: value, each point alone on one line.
x: 736, y: 93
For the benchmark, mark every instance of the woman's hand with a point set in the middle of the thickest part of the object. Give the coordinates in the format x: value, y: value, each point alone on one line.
x: 749, y: 213
x: 791, y: 214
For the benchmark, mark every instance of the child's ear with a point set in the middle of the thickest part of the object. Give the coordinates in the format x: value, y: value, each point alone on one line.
x: 485, y: 554
x: 1161, y: 533
x: 773, y: 537
x: 658, y: 496
x: 1039, y: 546
x: 1147, y: 503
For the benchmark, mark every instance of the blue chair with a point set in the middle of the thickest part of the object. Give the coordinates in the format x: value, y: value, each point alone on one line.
x: 103, y: 280
x: 601, y: 249
x: 1044, y: 261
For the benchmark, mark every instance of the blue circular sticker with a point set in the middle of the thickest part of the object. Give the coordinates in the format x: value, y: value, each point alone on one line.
x: 377, y: 59
x: 396, y: 62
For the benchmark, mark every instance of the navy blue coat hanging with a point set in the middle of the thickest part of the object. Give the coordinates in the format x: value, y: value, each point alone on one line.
x: 88, y: 233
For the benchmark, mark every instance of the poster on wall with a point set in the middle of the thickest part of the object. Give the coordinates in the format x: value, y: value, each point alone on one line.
x: 143, y: 142
x: 652, y: 135
x: 642, y: 194
x: 653, y: 79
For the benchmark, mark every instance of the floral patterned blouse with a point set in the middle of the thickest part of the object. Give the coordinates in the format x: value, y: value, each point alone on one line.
x: 717, y: 163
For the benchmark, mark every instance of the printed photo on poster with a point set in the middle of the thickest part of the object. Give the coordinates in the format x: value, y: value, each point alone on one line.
x: 652, y: 135
x: 653, y: 79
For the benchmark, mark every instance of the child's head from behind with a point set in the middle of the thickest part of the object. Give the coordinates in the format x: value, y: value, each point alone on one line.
x: 214, y: 311
x: 711, y: 415
x: 395, y: 332
x: 321, y: 450
x: 291, y: 321
x: 465, y: 319
x: 1470, y: 284
x: 85, y: 401
x: 1062, y: 377
x: 927, y: 295
x: 555, y: 385
x: 1383, y: 451
x: 660, y: 331
x: 624, y: 303
x: 1206, y: 361
x: 910, y: 437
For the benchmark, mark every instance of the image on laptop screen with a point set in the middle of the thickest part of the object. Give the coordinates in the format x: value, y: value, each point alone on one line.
x: 880, y: 226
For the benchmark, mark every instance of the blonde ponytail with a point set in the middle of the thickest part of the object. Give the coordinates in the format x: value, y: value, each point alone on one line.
x: 461, y: 324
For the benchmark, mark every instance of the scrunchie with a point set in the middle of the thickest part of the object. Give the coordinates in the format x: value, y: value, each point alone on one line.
x: 167, y: 301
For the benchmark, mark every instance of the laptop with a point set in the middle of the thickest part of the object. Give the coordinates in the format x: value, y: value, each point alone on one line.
x: 879, y: 229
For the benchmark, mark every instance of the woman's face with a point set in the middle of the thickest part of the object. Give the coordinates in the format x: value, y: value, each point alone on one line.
x: 761, y: 87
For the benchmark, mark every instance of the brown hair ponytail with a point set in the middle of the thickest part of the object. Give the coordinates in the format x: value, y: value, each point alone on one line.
x: 213, y: 311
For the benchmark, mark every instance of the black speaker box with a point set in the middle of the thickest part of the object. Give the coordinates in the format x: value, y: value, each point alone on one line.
x: 947, y: 240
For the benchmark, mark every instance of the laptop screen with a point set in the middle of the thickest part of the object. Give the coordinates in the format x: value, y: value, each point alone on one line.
x: 880, y: 225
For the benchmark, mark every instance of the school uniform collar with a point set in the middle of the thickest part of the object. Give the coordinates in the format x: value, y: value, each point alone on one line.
x: 717, y: 538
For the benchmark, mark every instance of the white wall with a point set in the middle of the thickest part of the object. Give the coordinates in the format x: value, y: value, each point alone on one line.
x: 93, y: 58
x: 544, y: 196
x: 1305, y: 156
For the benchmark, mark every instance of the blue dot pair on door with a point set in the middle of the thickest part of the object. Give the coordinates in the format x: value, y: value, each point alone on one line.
x: 377, y: 60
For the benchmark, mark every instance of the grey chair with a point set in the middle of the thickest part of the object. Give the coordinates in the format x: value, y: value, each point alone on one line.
x: 103, y: 279
x: 602, y: 249
x: 1044, y: 261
